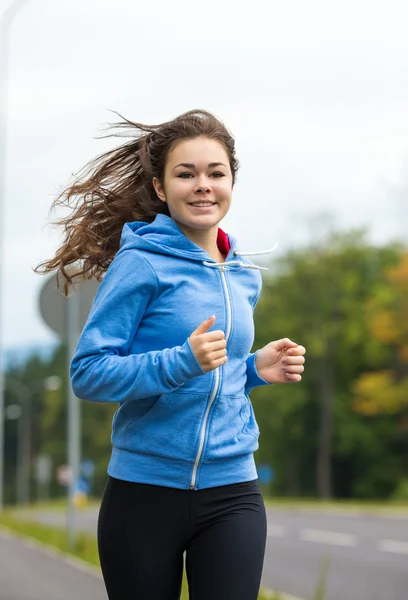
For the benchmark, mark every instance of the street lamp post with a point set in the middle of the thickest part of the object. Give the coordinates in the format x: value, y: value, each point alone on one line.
x: 23, y: 395
x: 5, y: 26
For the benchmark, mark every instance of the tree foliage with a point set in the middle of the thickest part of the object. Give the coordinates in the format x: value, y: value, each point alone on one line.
x: 332, y: 299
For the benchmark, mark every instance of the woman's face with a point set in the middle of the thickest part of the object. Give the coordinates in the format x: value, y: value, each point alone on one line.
x: 197, y: 183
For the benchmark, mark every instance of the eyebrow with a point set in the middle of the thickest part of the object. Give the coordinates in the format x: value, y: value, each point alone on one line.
x: 192, y: 166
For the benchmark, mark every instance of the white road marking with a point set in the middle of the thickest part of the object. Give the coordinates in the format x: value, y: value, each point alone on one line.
x: 281, y: 595
x: 329, y: 537
x: 395, y: 546
x: 276, y: 531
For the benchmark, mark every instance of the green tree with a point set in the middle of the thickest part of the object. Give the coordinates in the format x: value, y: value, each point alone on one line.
x: 318, y: 296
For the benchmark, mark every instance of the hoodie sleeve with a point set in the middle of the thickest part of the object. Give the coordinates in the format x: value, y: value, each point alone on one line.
x: 102, y: 368
x: 253, y: 379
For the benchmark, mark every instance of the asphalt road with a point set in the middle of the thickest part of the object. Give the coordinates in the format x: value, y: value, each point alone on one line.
x: 366, y: 556
x: 29, y: 574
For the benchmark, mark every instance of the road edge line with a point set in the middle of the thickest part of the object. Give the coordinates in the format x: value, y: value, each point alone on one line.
x: 282, y: 596
x: 51, y: 551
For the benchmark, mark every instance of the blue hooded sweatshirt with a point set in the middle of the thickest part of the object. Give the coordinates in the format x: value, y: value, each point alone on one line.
x: 176, y: 426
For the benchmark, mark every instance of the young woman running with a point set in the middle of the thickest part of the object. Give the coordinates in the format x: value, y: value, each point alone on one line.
x: 168, y: 338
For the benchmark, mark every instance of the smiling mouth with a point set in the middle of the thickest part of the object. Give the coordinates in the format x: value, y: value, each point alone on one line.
x: 202, y: 204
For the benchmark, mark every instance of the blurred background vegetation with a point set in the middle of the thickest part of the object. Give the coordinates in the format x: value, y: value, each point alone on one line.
x: 341, y: 433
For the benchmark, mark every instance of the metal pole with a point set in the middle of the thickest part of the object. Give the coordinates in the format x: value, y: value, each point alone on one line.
x: 5, y: 25
x: 25, y: 444
x: 74, y: 427
x: 20, y: 459
x: 23, y: 395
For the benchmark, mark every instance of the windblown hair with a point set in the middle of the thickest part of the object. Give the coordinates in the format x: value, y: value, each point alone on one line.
x: 117, y: 187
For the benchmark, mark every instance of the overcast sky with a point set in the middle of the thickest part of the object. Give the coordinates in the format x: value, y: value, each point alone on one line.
x: 316, y: 94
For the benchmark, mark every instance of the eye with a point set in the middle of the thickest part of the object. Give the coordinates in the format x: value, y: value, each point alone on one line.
x: 217, y: 174
x: 185, y: 175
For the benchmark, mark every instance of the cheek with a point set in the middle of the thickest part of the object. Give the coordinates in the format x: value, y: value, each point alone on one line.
x: 224, y: 189
x: 179, y: 188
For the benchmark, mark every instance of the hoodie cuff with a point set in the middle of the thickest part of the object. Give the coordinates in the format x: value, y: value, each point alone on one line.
x: 253, y: 378
x: 186, y: 366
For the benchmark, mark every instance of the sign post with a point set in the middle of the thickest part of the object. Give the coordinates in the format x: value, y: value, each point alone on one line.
x: 74, y: 418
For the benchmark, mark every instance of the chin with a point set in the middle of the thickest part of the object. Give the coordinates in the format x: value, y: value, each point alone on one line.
x: 203, y: 223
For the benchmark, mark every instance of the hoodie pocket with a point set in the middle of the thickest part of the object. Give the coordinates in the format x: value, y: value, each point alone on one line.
x: 233, y: 429
x: 170, y: 428
x: 248, y: 415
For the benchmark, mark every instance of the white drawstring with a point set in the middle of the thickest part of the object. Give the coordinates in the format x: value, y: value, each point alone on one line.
x: 236, y: 253
x: 225, y: 265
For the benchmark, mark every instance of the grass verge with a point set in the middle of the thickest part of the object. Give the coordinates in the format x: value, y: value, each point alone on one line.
x: 367, y: 507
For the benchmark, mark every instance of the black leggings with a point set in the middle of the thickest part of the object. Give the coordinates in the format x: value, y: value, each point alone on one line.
x: 144, y: 531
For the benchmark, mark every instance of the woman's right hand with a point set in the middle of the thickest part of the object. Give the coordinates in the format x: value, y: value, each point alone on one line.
x: 209, y: 348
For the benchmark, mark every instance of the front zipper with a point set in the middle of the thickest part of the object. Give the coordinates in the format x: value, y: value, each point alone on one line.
x: 216, y: 384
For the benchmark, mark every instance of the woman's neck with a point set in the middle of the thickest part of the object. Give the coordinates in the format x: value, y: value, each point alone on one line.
x: 205, y: 239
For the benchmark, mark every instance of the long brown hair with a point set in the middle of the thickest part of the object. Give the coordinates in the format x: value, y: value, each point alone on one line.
x: 117, y: 187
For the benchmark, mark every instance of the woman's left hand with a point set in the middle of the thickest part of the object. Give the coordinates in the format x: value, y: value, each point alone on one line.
x: 281, y: 361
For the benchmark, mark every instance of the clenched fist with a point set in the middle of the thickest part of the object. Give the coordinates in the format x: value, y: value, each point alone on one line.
x: 281, y: 361
x: 209, y: 348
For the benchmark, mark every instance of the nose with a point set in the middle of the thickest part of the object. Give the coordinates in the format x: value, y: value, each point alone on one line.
x: 202, y: 185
